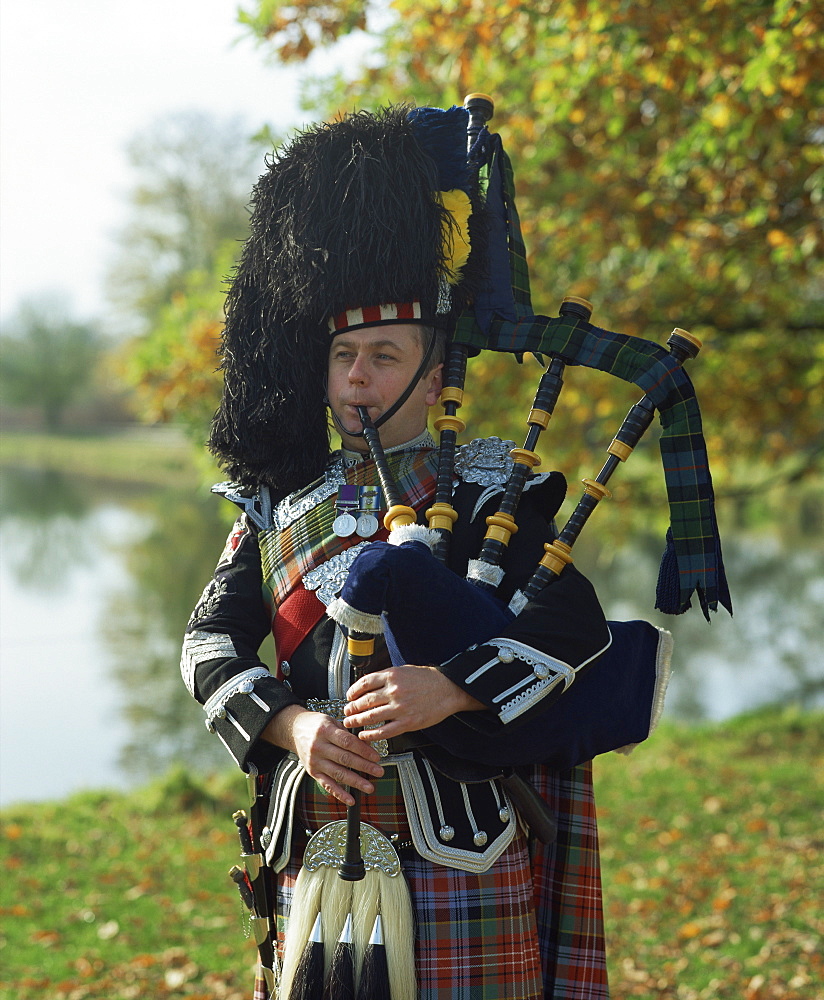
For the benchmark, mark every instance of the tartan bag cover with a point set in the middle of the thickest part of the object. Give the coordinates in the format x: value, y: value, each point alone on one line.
x: 503, y: 320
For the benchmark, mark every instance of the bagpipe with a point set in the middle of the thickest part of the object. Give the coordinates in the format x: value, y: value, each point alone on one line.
x: 351, y: 874
x: 380, y: 594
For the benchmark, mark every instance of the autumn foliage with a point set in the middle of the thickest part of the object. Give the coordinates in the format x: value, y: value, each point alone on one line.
x: 670, y: 167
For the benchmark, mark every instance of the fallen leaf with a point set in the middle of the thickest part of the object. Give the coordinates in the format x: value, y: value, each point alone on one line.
x: 46, y: 938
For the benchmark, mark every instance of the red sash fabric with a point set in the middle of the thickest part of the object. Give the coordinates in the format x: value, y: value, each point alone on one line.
x: 296, y: 617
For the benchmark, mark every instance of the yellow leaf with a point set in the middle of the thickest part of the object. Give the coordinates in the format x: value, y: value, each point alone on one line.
x: 778, y: 238
x: 718, y: 113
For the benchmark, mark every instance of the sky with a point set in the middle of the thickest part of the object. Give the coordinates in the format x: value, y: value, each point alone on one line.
x: 77, y: 81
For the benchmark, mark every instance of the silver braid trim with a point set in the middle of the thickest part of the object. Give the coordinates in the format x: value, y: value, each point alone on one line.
x: 198, y: 647
x: 215, y: 707
x: 237, y: 725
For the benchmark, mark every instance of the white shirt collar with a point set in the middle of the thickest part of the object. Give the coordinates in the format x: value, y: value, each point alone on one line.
x: 421, y: 442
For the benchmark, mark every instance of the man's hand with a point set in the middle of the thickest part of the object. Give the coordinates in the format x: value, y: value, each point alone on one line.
x: 404, y: 699
x: 330, y: 754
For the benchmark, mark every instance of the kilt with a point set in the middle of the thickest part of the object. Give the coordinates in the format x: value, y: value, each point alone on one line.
x: 567, y: 889
x: 529, y: 928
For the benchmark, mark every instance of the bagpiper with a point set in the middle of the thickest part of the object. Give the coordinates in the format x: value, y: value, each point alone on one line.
x: 486, y: 676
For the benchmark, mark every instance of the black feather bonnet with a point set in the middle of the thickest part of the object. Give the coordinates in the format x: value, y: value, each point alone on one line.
x: 371, y: 209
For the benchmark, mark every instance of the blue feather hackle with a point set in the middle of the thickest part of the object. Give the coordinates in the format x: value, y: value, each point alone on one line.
x: 442, y: 134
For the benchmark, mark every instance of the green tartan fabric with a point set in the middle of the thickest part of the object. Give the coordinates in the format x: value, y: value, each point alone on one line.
x: 289, y: 554
x: 518, y: 269
x: 502, y: 320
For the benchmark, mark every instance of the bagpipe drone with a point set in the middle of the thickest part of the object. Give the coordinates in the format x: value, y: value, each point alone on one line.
x: 480, y: 290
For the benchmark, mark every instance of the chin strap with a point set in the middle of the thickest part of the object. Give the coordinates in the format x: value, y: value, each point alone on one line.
x: 407, y: 392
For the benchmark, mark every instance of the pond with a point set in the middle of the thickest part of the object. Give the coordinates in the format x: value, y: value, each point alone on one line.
x: 98, y: 582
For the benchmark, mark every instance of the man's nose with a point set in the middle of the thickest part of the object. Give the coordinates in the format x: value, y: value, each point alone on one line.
x: 358, y: 374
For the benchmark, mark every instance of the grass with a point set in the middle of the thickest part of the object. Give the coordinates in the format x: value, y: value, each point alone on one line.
x: 711, y: 851
x: 140, y: 455
x: 124, y: 896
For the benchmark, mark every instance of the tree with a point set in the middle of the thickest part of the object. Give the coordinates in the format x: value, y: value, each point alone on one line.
x: 670, y: 166
x: 662, y: 145
x: 194, y: 174
x: 172, y: 368
x: 189, y: 219
x: 47, y: 358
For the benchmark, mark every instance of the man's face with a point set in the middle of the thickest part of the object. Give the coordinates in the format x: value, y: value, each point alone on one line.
x: 371, y: 368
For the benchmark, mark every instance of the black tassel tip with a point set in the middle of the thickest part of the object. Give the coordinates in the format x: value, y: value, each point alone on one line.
x: 374, y: 979
x: 340, y: 983
x: 308, y: 981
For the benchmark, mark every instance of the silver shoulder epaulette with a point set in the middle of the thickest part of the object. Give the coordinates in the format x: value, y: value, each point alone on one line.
x: 294, y: 506
x: 256, y: 503
x: 485, y: 461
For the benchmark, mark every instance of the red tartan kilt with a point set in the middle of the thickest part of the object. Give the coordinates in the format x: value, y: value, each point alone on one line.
x: 476, y: 933
x: 528, y: 929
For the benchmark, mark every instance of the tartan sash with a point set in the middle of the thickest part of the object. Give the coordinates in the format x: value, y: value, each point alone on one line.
x: 503, y: 320
x: 289, y: 553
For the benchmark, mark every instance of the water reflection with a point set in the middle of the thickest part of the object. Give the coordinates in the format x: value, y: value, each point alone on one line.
x: 769, y: 652
x: 163, y: 577
x: 41, y: 510
x: 98, y: 586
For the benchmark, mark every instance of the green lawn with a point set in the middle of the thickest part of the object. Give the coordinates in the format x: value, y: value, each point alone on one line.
x: 139, y: 455
x: 712, y: 859
x: 712, y: 851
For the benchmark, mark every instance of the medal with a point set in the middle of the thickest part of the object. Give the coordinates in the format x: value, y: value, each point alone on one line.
x: 355, y: 508
x: 368, y: 504
x: 345, y: 507
x: 367, y: 525
x: 344, y: 525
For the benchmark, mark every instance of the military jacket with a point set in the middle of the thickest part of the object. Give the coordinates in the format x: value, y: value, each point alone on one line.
x: 286, y: 550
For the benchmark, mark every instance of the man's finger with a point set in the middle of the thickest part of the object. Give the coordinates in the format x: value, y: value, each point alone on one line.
x: 348, y: 742
x: 357, y: 763
x: 369, y: 682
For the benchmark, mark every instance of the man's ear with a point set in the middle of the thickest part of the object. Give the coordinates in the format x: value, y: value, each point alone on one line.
x: 435, y: 384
